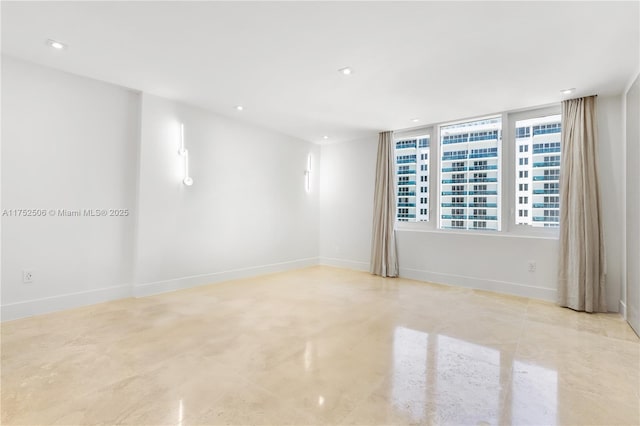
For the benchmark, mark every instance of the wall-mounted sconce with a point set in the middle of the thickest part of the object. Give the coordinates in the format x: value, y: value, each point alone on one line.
x: 185, y: 153
x: 307, y: 175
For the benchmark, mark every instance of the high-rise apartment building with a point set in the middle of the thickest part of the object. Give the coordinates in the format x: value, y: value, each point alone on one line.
x: 469, y: 192
x: 412, y: 171
x: 538, y: 171
x: 469, y: 175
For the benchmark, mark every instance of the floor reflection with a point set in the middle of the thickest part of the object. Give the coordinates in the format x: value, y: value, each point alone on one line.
x: 534, y: 394
x: 441, y: 379
x: 410, y: 349
x: 468, y: 382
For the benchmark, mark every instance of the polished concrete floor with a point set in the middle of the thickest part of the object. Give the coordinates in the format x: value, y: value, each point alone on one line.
x: 321, y: 346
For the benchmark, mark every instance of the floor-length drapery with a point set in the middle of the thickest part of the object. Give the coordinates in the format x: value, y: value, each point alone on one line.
x: 581, y: 273
x: 384, y: 260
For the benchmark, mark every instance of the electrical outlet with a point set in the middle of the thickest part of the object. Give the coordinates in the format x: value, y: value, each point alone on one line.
x: 532, y: 266
x: 27, y: 276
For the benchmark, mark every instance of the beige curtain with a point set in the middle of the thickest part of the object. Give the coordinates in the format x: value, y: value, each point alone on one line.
x: 384, y: 261
x: 581, y: 280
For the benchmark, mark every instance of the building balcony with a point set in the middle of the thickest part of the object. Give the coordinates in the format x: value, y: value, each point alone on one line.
x: 480, y: 180
x: 484, y: 155
x: 546, y: 205
x: 546, y: 191
x: 454, y: 181
x: 453, y: 216
x: 488, y: 205
x: 546, y: 219
x: 488, y: 192
x: 487, y: 167
x: 546, y: 131
x: 406, y: 172
x: 541, y: 178
x: 409, y: 161
x: 454, y: 192
x: 453, y: 204
x: 480, y: 217
x: 407, y: 182
x: 547, y: 164
x: 407, y: 194
x: 406, y: 216
x: 406, y: 204
x: 406, y: 146
x: 454, y: 157
x: 545, y: 150
x: 454, y: 169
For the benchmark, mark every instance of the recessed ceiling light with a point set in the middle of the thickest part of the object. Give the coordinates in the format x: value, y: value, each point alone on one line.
x: 415, y: 120
x: 346, y: 71
x: 325, y: 137
x: 239, y: 107
x: 568, y: 91
x: 56, y: 44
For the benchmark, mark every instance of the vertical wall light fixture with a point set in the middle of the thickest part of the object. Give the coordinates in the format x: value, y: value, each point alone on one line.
x: 307, y: 175
x: 185, y: 153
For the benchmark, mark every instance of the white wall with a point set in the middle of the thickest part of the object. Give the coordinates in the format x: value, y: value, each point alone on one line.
x: 246, y: 213
x: 74, y: 143
x: 492, y: 262
x: 67, y: 143
x: 347, y: 174
x: 611, y: 171
x: 632, y: 248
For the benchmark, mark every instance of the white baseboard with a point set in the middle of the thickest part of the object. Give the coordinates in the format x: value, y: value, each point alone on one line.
x: 622, y: 309
x: 505, y: 287
x: 157, y: 287
x: 45, y: 305
x: 343, y: 263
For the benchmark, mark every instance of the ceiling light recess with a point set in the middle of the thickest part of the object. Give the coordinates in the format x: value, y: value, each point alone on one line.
x: 568, y: 91
x: 239, y: 108
x: 56, y: 44
x: 346, y: 71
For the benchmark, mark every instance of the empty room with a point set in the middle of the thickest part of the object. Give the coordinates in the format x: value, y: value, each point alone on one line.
x: 320, y: 212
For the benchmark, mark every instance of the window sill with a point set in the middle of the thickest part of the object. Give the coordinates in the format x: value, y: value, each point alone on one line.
x: 477, y: 233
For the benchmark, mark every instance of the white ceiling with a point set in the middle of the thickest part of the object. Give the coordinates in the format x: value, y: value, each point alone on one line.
x: 434, y: 61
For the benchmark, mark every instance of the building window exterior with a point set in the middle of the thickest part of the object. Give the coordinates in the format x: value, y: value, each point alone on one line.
x: 412, y: 161
x: 538, y: 170
x: 466, y: 188
x: 470, y: 174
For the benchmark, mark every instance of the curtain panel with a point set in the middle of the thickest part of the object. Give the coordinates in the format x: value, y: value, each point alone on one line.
x: 582, y: 268
x: 384, y: 260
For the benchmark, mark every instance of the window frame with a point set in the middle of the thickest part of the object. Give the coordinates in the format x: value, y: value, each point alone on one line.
x: 510, y: 169
x: 416, y: 133
x: 507, y: 152
x: 500, y: 174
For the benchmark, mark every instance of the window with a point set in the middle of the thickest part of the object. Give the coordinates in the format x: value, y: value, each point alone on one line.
x: 542, y: 134
x: 410, y: 153
x: 470, y: 161
x: 469, y: 155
